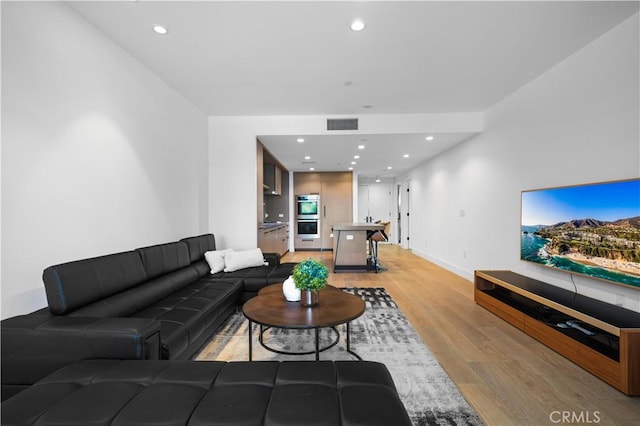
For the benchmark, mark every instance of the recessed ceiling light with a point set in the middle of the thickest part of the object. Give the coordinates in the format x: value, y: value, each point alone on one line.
x: 160, y: 29
x: 360, y: 146
x: 356, y: 156
x: 307, y: 157
x: 311, y: 168
x: 357, y: 25
x: 354, y: 163
x: 377, y: 180
x: 350, y: 168
x: 406, y: 155
x: 430, y: 138
x: 389, y: 167
x: 300, y: 140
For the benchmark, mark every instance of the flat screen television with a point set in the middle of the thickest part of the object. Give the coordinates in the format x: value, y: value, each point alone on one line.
x: 591, y: 229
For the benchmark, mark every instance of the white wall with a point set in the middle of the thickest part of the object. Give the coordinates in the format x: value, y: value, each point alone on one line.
x: 98, y: 154
x: 577, y: 123
x: 232, y: 159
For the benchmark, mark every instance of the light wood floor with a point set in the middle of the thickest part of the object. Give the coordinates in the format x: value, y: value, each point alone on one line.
x: 508, y: 377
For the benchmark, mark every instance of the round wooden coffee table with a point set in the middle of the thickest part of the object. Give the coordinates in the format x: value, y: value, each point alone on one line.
x: 270, y: 309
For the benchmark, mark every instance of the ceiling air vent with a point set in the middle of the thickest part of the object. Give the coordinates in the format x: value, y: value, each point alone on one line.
x: 342, y: 124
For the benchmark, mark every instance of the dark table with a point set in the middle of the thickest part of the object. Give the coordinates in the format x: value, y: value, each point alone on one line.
x: 270, y: 309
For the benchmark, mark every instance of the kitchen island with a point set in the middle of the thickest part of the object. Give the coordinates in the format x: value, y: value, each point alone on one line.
x: 351, y: 249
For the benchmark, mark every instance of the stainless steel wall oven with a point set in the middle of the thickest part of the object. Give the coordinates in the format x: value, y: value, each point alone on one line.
x: 308, y: 228
x: 308, y: 216
x: 308, y: 206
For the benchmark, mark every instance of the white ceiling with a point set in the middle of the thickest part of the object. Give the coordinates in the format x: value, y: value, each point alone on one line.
x: 381, y: 151
x: 295, y: 58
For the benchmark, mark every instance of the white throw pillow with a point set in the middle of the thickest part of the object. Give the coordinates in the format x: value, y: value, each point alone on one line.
x: 243, y: 259
x: 215, y: 259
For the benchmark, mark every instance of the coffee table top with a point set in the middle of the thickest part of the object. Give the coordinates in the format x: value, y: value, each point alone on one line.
x: 270, y: 308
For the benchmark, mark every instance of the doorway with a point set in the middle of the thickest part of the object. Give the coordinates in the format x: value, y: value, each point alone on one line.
x: 403, y: 218
x: 375, y: 202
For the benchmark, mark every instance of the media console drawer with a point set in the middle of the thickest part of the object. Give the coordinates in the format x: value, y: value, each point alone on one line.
x: 594, y: 362
x: 601, y: 338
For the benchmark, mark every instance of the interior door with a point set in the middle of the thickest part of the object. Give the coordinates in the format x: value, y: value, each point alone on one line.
x: 405, y: 214
x: 375, y: 202
x: 381, y: 202
x: 363, y: 203
x: 399, y: 214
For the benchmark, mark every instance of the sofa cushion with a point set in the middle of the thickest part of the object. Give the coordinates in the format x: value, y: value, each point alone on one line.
x: 215, y: 259
x: 186, y: 314
x: 252, y: 278
x: 202, y: 268
x: 163, y: 258
x: 242, y: 259
x: 268, y: 393
x: 281, y: 272
x: 137, y: 298
x: 72, y: 285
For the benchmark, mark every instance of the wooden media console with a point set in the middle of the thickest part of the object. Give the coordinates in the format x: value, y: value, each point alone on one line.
x: 603, y: 339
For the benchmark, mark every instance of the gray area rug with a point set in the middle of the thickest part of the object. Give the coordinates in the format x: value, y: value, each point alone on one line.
x: 382, y: 334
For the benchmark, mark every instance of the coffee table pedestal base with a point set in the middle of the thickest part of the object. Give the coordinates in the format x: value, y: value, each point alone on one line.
x: 317, y: 350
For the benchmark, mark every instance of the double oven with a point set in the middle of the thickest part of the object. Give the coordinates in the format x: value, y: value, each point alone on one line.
x: 308, y: 216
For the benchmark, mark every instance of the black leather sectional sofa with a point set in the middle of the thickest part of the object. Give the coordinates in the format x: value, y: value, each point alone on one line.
x: 112, y: 345
x: 199, y: 393
x: 156, y: 302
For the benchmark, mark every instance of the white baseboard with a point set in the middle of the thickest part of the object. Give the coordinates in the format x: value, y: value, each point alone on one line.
x: 467, y: 275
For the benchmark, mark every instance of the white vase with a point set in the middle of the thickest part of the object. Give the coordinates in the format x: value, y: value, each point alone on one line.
x: 291, y: 293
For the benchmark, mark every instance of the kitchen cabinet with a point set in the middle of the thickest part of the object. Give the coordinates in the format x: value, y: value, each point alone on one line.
x: 307, y: 183
x: 271, y: 207
x: 272, y: 179
x: 274, y: 238
x: 336, y: 203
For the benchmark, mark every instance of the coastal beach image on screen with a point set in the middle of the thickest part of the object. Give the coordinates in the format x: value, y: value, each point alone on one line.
x: 592, y: 230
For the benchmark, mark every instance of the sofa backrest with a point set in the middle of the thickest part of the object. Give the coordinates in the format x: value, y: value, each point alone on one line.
x: 136, y: 299
x: 167, y: 269
x: 75, y: 284
x: 199, y: 245
x: 163, y: 258
x: 117, y: 284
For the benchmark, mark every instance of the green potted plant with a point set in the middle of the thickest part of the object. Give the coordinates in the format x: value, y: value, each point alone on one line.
x: 309, y: 276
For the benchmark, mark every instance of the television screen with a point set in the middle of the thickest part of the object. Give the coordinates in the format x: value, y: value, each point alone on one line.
x: 591, y: 229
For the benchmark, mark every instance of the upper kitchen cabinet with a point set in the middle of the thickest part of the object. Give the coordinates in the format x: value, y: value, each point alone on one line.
x: 307, y: 183
x: 272, y: 179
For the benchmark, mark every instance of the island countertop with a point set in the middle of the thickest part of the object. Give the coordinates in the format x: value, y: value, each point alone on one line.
x: 358, y: 226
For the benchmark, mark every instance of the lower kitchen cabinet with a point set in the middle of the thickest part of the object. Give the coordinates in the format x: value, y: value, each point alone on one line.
x: 274, y: 239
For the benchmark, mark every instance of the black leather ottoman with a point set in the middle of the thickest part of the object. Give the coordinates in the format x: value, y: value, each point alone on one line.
x: 270, y: 393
